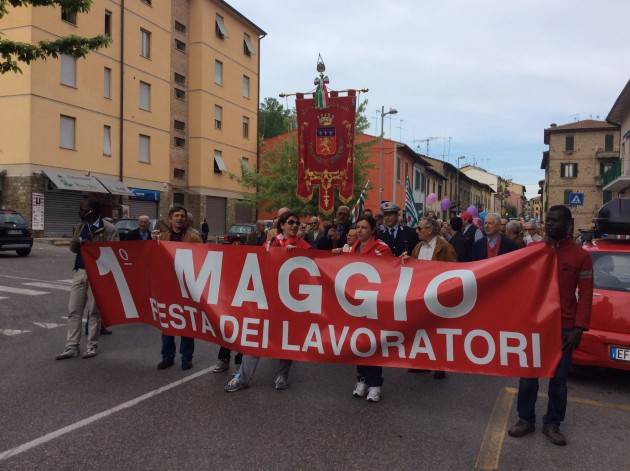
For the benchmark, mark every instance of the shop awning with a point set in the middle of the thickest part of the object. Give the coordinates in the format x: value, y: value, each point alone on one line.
x: 115, y: 187
x: 75, y: 182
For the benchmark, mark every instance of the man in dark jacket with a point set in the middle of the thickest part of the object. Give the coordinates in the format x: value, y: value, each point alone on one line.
x: 457, y: 240
x: 342, y: 225
x: 314, y: 233
x: 143, y: 231
x: 575, y: 276
x: 259, y: 236
x: 494, y: 243
x: 399, y: 238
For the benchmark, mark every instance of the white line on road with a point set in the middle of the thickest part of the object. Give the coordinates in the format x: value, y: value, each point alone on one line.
x: 101, y: 415
x: 12, y: 332
x: 13, y: 277
x: 27, y: 292
x: 2, y: 297
x: 40, y: 284
x: 65, y: 281
x: 48, y: 325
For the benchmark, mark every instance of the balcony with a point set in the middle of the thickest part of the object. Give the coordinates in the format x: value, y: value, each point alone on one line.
x: 607, y: 154
x: 617, y: 178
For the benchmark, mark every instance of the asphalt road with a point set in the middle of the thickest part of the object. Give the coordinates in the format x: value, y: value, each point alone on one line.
x: 49, y: 421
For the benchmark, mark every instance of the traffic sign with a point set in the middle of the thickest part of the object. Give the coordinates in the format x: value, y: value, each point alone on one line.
x: 576, y: 199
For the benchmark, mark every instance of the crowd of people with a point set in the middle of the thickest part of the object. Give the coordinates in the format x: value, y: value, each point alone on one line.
x: 463, y: 238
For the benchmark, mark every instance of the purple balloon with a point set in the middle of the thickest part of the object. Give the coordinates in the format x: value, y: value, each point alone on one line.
x: 431, y: 198
x: 472, y: 210
x: 445, y: 204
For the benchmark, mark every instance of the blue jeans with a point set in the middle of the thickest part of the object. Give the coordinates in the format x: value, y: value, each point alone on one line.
x: 186, y: 347
x: 557, y: 395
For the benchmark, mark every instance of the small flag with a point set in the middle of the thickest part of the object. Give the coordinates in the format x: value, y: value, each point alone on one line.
x: 410, y: 206
x: 357, y: 210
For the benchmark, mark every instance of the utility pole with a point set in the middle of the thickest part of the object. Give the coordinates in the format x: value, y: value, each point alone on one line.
x: 458, y: 172
x: 382, y: 169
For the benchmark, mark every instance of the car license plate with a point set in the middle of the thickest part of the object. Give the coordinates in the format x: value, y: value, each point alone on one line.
x: 15, y: 232
x: 620, y: 354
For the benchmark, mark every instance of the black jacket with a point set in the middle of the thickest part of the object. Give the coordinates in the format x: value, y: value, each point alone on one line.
x: 480, y: 248
x: 135, y: 235
x: 459, y: 244
x: 310, y: 238
x: 406, y: 239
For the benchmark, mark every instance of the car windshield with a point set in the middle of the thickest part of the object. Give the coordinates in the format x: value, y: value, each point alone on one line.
x: 240, y: 229
x: 126, y: 224
x: 611, y: 271
x: 12, y: 218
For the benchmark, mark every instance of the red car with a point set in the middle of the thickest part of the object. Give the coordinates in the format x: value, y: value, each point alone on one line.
x: 607, y: 342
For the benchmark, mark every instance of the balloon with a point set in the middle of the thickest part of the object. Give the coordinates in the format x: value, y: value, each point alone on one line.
x: 472, y: 210
x: 445, y: 204
x: 482, y: 215
x: 431, y: 198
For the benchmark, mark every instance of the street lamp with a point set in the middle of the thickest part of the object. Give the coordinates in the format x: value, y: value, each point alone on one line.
x: 458, y: 167
x: 382, y: 171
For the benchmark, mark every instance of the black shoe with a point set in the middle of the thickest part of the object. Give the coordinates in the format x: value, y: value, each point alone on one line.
x: 439, y: 375
x: 105, y: 331
x: 521, y: 428
x: 186, y: 364
x: 165, y: 363
x: 415, y: 370
x: 554, y: 435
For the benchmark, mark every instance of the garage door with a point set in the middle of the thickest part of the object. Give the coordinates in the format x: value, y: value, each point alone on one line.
x: 138, y: 208
x: 215, y: 214
x: 61, y: 212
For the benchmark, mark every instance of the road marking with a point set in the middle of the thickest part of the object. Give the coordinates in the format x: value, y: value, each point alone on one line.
x: 96, y: 417
x: 13, y: 277
x: 12, y: 332
x: 2, y: 297
x: 588, y: 402
x: 41, y: 284
x: 65, y: 281
x: 492, y: 443
x: 48, y: 325
x: 27, y: 292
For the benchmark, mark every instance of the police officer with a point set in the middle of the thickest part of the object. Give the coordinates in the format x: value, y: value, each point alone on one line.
x: 399, y: 238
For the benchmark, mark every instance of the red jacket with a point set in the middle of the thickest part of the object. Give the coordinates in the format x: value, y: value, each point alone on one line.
x: 373, y: 247
x: 575, y: 272
x: 279, y: 241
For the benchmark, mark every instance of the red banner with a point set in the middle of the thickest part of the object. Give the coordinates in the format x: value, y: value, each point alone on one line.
x: 326, y: 149
x: 499, y: 316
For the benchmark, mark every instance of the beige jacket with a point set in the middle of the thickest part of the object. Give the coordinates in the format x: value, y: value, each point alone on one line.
x: 107, y: 233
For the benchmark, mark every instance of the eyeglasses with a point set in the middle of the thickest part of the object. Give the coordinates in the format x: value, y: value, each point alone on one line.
x: 292, y: 222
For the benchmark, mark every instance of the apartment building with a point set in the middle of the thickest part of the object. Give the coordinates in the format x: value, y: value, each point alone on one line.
x: 617, y: 179
x: 162, y: 116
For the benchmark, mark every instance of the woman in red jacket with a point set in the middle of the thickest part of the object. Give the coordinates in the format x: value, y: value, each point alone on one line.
x: 369, y: 378
x: 288, y: 227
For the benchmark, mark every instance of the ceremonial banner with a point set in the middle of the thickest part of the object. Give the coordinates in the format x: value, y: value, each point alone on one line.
x: 326, y: 147
x: 499, y: 316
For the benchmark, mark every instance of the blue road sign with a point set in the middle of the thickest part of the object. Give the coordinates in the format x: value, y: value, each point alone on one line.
x: 576, y: 199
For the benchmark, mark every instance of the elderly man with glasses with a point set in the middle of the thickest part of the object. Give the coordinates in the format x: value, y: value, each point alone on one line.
x: 314, y: 233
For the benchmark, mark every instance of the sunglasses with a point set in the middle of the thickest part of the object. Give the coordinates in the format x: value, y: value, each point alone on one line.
x: 292, y: 222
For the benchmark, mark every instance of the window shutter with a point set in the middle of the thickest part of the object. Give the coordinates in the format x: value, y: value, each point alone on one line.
x: 566, y: 196
x: 107, y: 140
x: 68, y: 70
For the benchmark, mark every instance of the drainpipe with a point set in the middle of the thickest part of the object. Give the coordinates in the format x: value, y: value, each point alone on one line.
x: 258, y: 118
x: 122, y: 88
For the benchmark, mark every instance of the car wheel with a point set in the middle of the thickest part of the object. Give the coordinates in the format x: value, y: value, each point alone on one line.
x: 23, y: 252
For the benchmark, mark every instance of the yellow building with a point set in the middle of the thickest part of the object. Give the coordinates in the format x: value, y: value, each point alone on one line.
x: 167, y: 127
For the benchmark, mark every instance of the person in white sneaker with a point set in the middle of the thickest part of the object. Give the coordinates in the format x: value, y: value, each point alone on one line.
x: 369, y: 378
x: 92, y: 229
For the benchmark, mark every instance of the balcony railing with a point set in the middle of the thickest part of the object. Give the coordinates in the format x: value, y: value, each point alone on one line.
x: 607, y: 154
x: 612, y: 173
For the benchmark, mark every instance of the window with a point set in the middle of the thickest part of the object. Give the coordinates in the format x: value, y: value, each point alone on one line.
x: 397, y: 169
x: 68, y: 70
x: 108, y: 23
x: 179, y: 173
x: 245, y: 127
x: 439, y: 193
x: 244, y: 165
x: 423, y: 183
x: 568, y: 170
x: 416, y: 180
x: 569, y: 143
x: 180, y: 94
x: 145, y: 149
x: 178, y: 199
x: 605, y: 167
x: 179, y: 142
x: 219, y: 27
x: 219, y: 164
x: 245, y: 86
x: 248, y: 50
x: 179, y: 125
x: 147, y: 2
x: 180, y: 79
x: 610, y: 271
x: 406, y: 171
x: 107, y: 82
x: 69, y: 15
x: 145, y: 96
x: 145, y: 43
x: 180, y: 28
x: 180, y: 45
x: 107, y: 141
x: 609, y: 142
x: 67, y: 132
x: 218, y: 117
x: 218, y: 72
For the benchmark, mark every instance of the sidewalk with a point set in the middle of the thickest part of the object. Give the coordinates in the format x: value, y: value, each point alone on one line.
x: 59, y: 241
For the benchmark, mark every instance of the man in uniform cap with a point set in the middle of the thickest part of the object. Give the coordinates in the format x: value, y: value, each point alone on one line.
x: 399, y: 238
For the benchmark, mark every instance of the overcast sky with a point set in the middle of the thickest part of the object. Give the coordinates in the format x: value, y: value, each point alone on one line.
x: 491, y: 74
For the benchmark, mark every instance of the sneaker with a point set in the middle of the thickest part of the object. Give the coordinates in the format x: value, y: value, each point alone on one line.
x: 233, y: 385
x: 360, y: 389
x: 521, y: 428
x: 220, y: 366
x: 90, y: 352
x: 68, y: 352
x: 281, y: 383
x: 165, y: 363
x: 374, y: 394
x: 554, y: 435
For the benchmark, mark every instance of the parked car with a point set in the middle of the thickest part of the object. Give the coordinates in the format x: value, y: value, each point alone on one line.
x: 238, y: 232
x: 14, y: 233
x: 607, y: 342
x: 125, y: 226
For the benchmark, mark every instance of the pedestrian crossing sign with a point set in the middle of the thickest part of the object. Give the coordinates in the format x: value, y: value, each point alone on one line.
x: 576, y: 199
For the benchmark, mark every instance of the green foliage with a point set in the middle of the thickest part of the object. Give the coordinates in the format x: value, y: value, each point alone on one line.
x: 273, y: 119
x: 12, y: 53
x: 276, y: 180
x: 509, y: 210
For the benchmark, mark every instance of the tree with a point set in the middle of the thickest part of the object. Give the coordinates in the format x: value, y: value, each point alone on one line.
x: 276, y: 179
x: 12, y: 53
x: 273, y: 119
